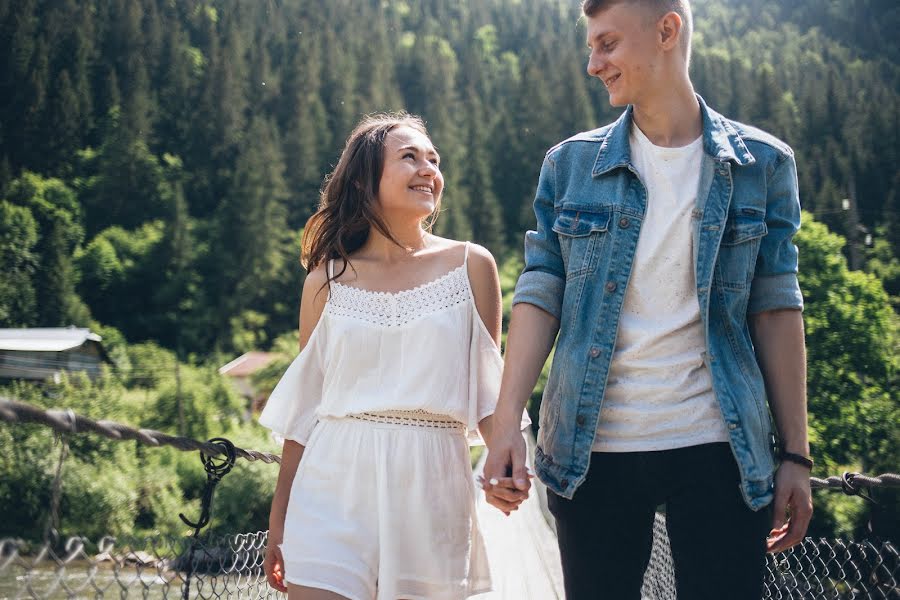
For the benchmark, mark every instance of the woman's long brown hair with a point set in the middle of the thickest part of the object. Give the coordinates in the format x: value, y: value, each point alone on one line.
x: 348, y: 205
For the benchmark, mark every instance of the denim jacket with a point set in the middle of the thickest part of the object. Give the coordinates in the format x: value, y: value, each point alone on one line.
x: 590, y: 205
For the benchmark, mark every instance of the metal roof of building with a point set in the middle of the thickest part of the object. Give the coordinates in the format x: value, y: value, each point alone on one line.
x: 45, y: 339
x: 247, y: 364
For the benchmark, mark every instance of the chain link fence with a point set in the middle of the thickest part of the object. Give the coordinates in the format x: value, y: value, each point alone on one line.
x: 160, y: 567
x: 231, y: 567
x: 816, y: 569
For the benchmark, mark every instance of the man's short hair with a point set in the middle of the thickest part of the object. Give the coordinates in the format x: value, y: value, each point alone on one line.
x: 660, y: 7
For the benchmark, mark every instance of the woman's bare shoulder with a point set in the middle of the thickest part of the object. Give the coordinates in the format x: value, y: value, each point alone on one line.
x: 481, y: 256
x: 316, y: 278
x: 315, y: 291
x: 482, y: 270
x: 482, y: 265
x: 485, y: 282
x: 477, y: 252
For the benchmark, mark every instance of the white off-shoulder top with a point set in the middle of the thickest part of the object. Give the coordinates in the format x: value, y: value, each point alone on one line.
x: 422, y: 349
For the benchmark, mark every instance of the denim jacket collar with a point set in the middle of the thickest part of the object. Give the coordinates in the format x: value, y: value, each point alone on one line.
x: 720, y: 141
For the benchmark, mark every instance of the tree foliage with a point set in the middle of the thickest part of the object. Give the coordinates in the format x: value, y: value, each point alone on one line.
x: 217, y: 122
x: 852, y: 340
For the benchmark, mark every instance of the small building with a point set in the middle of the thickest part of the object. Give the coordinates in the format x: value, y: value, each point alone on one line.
x: 241, y: 371
x: 41, y: 353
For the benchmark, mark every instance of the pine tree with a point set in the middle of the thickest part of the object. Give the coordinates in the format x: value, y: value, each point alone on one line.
x: 250, y: 226
x: 123, y: 183
x: 55, y: 209
x: 18, y: 263
x: 65, y: 121
x: 306, y: 140
x: 19, y: 27
x: 484, y: 211
x: 338, y: 88
x: 181, y: 67
x: 33, y: 111
x: 175, y: 300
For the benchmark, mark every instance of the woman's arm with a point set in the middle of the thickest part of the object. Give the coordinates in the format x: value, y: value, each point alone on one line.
x: 489, y: 303
x: 291, y: 453
x: 485, y: 282
x: 312, y: 303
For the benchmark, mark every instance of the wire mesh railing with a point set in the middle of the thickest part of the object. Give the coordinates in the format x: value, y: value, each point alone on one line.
x: 834, y: 569
x: 231, y: 567
x: 815, y: 569
x: 157, y: 567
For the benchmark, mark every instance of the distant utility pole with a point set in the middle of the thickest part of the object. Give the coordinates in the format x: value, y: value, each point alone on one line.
x: 182, y: 429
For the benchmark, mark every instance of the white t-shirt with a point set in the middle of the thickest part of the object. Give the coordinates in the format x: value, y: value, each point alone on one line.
x: 659, y: 392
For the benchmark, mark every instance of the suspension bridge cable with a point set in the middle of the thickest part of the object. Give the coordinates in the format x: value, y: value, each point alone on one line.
x: 67, y: 421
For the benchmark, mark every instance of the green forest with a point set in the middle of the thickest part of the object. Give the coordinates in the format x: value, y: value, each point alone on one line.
x: 159, y: 158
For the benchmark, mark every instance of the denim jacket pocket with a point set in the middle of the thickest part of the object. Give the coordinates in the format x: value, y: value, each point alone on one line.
x: 581, y: 235
x: 740, y: 244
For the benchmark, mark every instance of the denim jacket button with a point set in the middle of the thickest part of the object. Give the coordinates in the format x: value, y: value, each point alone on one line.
x: 595, y: 352
x: 611, y: 286
x: 732, y: 426
x: 624, y: 223
x: 580, y: 419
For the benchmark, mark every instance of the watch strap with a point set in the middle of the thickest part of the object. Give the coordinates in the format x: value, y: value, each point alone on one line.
x: 797, y: 459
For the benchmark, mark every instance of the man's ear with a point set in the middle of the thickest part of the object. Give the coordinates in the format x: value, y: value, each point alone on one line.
x: 670, y: 28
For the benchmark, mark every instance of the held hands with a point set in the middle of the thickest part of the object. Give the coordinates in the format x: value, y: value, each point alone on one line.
x: 273, y: 565
x: 506, y: 480
x: 794, y: 498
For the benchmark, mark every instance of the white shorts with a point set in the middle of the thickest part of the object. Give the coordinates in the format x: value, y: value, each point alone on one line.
x: 384, y: 510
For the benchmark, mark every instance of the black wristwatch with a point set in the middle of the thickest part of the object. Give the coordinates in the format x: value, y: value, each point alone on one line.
x: 798, y: 459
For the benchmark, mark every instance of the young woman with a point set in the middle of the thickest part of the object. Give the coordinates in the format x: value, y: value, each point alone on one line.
x: 399, y: 365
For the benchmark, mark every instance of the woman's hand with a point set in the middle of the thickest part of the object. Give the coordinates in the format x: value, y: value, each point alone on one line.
x: 273, y: 565
x: 273, y: 562
x: 506, y: 479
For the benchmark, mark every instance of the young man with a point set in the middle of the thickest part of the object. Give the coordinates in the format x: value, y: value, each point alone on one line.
x: 663, y: 258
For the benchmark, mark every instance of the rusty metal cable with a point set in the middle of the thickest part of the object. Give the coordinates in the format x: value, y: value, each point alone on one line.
x: 66, y: 421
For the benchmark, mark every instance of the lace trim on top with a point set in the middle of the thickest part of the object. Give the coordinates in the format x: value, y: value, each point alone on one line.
x: 394, y: 309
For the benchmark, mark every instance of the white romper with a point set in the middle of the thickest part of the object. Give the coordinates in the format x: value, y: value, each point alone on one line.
x: 383, y: 397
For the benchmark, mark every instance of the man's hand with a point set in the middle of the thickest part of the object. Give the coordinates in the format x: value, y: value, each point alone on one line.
x: 506, y: 479
x: 792, y: 508
x: 273, y: 565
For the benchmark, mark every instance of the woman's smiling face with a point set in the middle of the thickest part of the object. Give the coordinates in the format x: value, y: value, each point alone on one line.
x: 411, y: 182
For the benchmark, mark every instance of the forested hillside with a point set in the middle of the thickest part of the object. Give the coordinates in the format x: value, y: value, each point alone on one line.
x: 158, y: 159
x: 165, y: 154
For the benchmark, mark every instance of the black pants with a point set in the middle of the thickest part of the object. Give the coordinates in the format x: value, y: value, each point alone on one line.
x: 606, y: 530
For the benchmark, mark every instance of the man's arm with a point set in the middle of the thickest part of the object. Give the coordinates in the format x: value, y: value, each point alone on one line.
x: 533, y: 325
x: 531, y: 335
x: 781, y: 353
x: 776, y: 326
